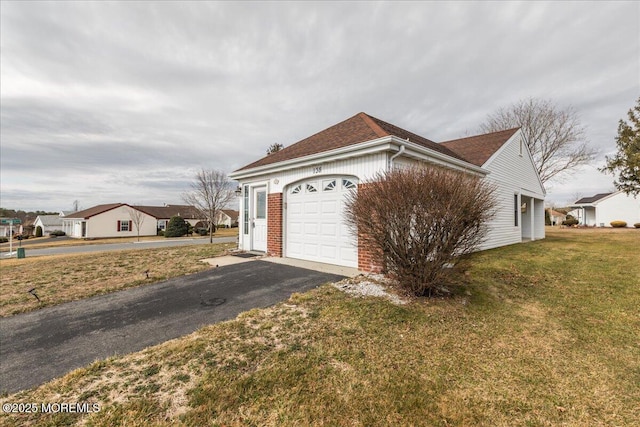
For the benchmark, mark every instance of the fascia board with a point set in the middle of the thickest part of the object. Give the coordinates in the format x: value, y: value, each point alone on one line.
x: 367, y: 147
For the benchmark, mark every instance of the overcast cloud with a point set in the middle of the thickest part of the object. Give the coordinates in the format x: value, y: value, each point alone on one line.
x: 124, y: 101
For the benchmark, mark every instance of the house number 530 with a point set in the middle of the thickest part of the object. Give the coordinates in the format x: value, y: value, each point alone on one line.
x: 317, y: 169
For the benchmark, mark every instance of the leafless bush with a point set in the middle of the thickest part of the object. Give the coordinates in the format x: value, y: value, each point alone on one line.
x: 421, y: 221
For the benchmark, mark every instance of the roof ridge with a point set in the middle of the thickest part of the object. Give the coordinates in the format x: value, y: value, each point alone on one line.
x: 371, y: 122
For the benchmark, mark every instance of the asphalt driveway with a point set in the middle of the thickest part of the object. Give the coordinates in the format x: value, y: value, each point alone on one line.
x: 39, y: 346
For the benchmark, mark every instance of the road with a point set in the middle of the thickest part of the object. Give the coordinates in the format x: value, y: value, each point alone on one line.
x: 47, y: 343
x: 65, y: 250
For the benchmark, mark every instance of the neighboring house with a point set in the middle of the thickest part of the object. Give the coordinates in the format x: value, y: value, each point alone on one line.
x: 48, y: 223
x: 111, y: 220
x: 227, y: 218
x: 163, y: 214
x: 601, y: 209
x: 119, y: 220
x: 556, y: 217
x: 292, y: 201
x: 6, y: 229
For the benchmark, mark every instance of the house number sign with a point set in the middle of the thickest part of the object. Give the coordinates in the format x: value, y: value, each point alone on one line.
x: 317, y: 169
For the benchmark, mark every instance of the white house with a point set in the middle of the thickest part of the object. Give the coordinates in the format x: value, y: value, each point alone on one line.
x: 227, y: 218
x: 111, y: 220
x: 292, y: 201
x: 48, y: 223
x: 601, y: 209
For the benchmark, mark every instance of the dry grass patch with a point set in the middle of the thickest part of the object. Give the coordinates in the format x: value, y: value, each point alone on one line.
x: 63, y: 278
x: 532, y: 336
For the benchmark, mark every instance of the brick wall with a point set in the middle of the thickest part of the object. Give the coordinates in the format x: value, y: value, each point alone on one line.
x: 274, y: 224
x: 369, y: 259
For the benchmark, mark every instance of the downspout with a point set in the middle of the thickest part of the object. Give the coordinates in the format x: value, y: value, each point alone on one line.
x: 400, y: 151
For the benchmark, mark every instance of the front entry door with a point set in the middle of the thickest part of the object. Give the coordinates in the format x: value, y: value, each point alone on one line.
x: 259, y: 219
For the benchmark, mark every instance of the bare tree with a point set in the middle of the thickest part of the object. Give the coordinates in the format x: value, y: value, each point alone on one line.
x: 420, y: 222
x: 137, y: 218
x: 554, y: 136
x: 274, y: 148
x: 211, y: 192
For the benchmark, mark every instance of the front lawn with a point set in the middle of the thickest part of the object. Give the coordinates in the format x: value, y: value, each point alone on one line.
x: 63, y: 278
x: 545, y: 333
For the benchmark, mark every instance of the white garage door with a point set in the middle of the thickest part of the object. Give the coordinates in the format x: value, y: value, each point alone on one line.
x: 315, y: 228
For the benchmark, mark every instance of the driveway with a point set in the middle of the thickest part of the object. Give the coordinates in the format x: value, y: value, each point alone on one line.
x: 39, y: 346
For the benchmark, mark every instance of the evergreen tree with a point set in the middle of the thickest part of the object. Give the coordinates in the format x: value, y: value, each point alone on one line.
x: 626, y: 162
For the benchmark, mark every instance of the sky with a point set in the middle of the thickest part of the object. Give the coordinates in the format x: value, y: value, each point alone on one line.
x: 105, y: 102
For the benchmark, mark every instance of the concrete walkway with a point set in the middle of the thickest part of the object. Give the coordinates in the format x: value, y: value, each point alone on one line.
x: 39, y: 346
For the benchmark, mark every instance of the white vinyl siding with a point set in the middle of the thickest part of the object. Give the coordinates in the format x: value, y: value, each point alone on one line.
x: 512, y: 174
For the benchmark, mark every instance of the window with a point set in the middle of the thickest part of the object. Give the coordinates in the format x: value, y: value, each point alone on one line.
x: 162, y: 224
x: 297, y: 189
x: 125, y: 225
x: 245, y: 210
x: 347, y: 183
x: 261, y: 204
x: 516, y: 210
x: 311, y: 188
x: 329, y: 185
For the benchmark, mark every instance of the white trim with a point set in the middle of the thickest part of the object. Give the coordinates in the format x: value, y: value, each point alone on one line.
x: 387, y: 143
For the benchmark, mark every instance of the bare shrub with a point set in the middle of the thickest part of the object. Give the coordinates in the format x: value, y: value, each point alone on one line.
x: 421, y: 221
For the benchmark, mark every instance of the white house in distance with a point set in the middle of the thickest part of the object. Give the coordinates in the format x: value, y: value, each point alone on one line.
x: 601, y: 209
x: 292, y: 201
x: 119, y: 220
x: 227, y: 218
x: 48, y: 223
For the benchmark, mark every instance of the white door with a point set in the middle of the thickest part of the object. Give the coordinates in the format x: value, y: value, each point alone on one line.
x: 315, y: 228
x: 259, y: 219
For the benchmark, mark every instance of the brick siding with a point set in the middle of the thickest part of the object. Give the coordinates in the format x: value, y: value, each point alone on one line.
x: 369, y: 259
x: 274, y: 224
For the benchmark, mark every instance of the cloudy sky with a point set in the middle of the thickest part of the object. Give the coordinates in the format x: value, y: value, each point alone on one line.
x: 124, y: 101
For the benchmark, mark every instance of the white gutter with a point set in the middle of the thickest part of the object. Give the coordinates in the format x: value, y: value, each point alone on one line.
x: 399, y: 153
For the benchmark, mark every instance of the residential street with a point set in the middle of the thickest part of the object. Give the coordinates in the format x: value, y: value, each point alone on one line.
x: 45, y: 344
x: 64, y: 250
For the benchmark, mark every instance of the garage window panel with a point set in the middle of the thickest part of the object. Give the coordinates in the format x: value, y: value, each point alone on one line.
x: 329, y: 185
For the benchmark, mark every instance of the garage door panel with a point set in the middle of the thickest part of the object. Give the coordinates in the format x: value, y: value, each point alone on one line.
x: 310, y: 249
x: 310, y: 208
x: 329, y: 207
x: 311, y: 229
x: 329, y: 230
x: 295, y: 207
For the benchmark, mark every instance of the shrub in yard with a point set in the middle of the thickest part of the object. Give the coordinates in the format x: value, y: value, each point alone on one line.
x: 177, y: 227
x: 618, y: 224
x: 4, y: 239
x: 421, y: 221
x: 570, y: 220
x: 637, y: 225
x: 57, y: 233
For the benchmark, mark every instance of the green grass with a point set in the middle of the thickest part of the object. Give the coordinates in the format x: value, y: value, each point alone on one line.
x: 540, y: 334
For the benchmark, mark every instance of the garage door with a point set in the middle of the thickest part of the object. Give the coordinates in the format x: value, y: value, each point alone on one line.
x: 315, y: 228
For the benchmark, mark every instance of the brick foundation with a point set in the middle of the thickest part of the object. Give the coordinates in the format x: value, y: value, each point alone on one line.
x: 274, y: 224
